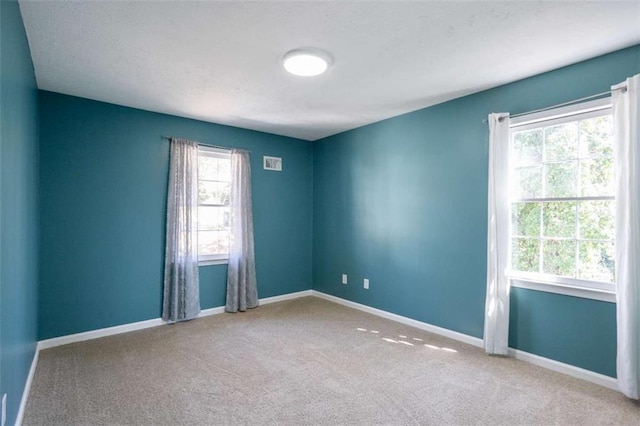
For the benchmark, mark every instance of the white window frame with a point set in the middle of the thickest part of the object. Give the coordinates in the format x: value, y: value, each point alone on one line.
x: 549, y: 283
x: 212, y: 259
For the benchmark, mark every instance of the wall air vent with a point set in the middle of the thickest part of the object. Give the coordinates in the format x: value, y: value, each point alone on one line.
x: 273, y: 163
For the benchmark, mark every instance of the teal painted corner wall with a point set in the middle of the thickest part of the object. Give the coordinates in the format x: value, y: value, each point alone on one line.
x: 104, y: 171
x: 18, y: 208
x: 403, y: 203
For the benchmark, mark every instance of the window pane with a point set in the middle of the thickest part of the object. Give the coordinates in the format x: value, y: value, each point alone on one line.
x: 525, y: 219
x: 208, y: 218
x: 559, y: 219
x: 213, y: 242
x: 596, y: 137
x: 207, y: 167
x: 213, y: 193
x: 596, y: 261
x: 528, y: 182
x: 207, y: 242
x: 596, y: 177
x: 559, y: 257
x: 527, y: 147
x: 224, y: 169
x: 223, y: 243
x: 561, y: 179
x: 213, y: 218
x: 597, y: 219
x: 525, y: 254
x: 561, y: 142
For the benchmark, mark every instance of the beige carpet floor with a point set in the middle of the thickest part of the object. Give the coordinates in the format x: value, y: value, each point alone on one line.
x: 303, y: 362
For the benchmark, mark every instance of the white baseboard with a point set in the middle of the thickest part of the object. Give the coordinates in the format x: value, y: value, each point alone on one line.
x: 96, y: 334
x: 570, y: 370
x: 287, y: 296
x: 118, y: 329
x: 465, y: 338
x: 27, y: 388
x: 211, y: 311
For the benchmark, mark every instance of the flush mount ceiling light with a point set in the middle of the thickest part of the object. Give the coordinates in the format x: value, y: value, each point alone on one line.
x: 306, y: 62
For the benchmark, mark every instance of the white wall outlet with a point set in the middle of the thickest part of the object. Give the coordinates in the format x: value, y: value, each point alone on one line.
x: 344, y: 278
x: 366, y: 283
x: 4, y: 409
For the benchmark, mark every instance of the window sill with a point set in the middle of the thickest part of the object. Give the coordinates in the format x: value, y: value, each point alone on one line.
x: 567, y: 290
x: 213, y: 262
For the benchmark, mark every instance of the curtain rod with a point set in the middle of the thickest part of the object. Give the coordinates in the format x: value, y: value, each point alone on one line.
x: 575, y: 101
x: 203, y: 144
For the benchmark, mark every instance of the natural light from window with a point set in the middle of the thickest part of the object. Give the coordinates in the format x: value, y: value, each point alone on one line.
x: 562, y: 200
x: 214, y: 180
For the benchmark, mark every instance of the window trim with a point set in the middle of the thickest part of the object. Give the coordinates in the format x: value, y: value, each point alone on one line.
x: 564, y: 289
x: 548, y: 283
x: 212, y: 259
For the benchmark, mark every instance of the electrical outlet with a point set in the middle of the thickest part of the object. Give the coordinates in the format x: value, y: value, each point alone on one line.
x: 4, y: 409
x: 366, y: 283
x: 344, y: 278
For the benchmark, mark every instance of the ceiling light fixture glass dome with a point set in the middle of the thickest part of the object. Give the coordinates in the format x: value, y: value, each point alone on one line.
x: 306, y: 62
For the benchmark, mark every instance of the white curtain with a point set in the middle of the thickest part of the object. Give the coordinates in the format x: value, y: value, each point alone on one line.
x: 626, y: 116
x: 496, y: 320
x: 181, y: 289
x: 242, y: 291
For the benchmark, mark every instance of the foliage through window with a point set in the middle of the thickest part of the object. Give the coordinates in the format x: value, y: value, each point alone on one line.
x: 562, y: 200
x: 214, y: 180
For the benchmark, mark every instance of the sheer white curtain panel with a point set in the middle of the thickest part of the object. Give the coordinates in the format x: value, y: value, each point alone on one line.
x: 181, y: 287
x: 496, y: 320
x: 242, y: 289
x: 626, y: 115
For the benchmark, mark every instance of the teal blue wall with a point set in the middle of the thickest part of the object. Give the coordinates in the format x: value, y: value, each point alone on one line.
x: 103, y: 190
x: 18, y: 207
x: 403, y: 203
x: 575, y: 331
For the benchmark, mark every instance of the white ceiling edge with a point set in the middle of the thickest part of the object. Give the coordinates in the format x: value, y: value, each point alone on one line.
x: 390, y: 58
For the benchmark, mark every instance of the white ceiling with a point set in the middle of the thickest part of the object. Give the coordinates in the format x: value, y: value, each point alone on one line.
x: 220, y: 61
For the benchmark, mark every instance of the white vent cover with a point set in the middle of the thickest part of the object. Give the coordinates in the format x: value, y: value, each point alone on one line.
x: 273, y: 163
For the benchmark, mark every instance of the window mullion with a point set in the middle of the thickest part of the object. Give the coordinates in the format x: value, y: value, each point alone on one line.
x: 544, y: 194
x: 559, y: 199
x: 577, y: 261
x: 540, y: 235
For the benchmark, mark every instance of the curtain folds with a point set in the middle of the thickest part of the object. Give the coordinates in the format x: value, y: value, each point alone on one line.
x: 496, y: 320
x: 181, y: 288
x: 626, y: 115
x: 242, y: 291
